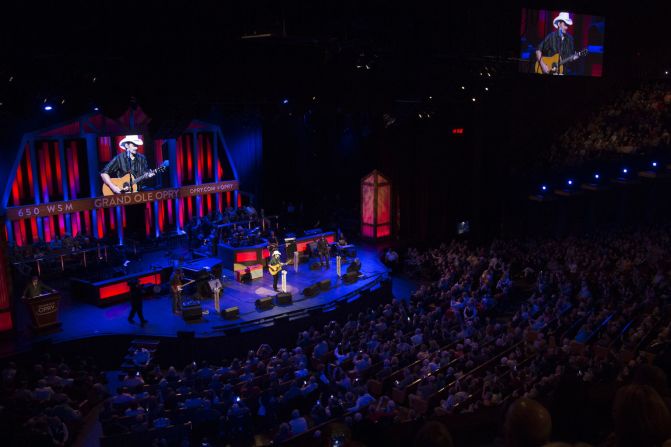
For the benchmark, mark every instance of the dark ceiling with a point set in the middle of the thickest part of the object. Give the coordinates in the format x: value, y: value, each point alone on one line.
x: 176, y: 54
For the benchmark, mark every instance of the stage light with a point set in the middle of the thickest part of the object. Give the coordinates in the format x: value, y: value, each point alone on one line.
x: 48, y: 108
x: 666, y: 72
x: 625, y: 170
x: 285, y: 101
x: 654, y: 164
x: 11, y: 78
x: 569, y: 182
x: 544, y: 188
x: 473, y: 99
x: 96, y: 109
x: 463, y: 88
x: 430, y: 97
x: 596, y: 176
x: 486, y: 89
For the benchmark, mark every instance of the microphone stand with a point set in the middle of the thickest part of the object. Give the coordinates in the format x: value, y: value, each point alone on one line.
x: 130, y: 170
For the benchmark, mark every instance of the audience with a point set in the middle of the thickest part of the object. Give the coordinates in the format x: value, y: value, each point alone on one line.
x: 638, y: 119
x: 504, y: 327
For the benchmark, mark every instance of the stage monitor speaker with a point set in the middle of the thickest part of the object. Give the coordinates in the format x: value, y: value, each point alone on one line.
x: 283, y: 298
x: 231, y: 313
x: 350, y: 278
x: 311, y: 291
x: 324, y: 285
x: 192, y: 310
x: 264, y: 303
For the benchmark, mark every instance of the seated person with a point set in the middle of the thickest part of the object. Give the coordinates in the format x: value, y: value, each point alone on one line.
x: 342, y: 241
x: 354, y: 266
x: 390, y: 258
x: 246, y: 278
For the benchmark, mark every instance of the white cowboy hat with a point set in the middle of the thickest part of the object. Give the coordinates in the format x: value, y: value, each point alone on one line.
x: 563, y: 17
x: 276, y: 253
x: 135, y: 139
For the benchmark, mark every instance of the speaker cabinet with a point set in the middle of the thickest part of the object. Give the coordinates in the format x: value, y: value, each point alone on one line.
x: 324, y: 285
x: 284, y: 298
x: 192, y: 310
x: 311, y: 291
x: 231, y: 313
x: 264, y: 303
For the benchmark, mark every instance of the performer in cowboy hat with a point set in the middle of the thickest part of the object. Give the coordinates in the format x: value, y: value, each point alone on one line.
x: 274, y: 267
x: 127, y: 161
x: 558, y: 41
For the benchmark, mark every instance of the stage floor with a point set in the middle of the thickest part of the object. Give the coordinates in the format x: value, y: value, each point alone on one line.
x: 83, y: 320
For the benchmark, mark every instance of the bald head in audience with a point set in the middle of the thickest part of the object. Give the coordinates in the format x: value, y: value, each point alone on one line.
x: 641, y: 417
x: 433, y: 434
x: 528, y: 424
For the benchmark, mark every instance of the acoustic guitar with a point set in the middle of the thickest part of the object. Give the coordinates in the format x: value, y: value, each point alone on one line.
x: 125, y: 184
x: 275, y: 269
x: 555, y: 63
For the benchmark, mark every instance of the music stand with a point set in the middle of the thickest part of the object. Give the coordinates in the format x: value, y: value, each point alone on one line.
x: 216, y: 287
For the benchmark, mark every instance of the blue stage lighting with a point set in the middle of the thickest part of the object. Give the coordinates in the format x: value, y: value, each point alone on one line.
x: 596, y: 176
x: 96, y: 109
x: 544, y: 188
x: 654, y: 164
x: 48, y: 108
x: 625, y: 170
x: 570, y: 182
x: 285, y: 101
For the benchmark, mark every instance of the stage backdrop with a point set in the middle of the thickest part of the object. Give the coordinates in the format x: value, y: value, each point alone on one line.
x: 62, y: 164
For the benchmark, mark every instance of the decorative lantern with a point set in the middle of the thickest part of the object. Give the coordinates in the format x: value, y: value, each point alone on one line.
x: 375, y: 206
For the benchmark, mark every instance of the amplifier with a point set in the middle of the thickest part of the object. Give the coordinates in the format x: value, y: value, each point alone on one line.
x: 231, y: 313
x: 192, y: 310
x: 311, y: 291
x: 324, y: 285
x: 284, y: 298
x: 264, y: 303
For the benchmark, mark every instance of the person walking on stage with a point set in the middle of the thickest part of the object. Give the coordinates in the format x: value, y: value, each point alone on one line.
x: 136, y: 301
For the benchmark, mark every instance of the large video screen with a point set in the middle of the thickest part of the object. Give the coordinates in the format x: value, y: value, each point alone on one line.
x: 561, y: 43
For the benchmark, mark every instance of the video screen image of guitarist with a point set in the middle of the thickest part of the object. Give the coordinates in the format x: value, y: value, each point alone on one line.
x: 125, y: 172
x: 561, y: 43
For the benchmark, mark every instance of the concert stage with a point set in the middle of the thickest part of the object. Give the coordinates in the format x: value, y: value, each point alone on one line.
x: 82, y: 319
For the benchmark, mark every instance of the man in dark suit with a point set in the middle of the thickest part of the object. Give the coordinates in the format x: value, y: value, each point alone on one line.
x: 136, y: 293
x: 35, y: 288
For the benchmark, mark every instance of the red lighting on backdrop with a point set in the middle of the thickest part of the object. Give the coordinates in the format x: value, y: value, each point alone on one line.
x: 245, y: 256
x: 458, y: 131
x: 114, y: 290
